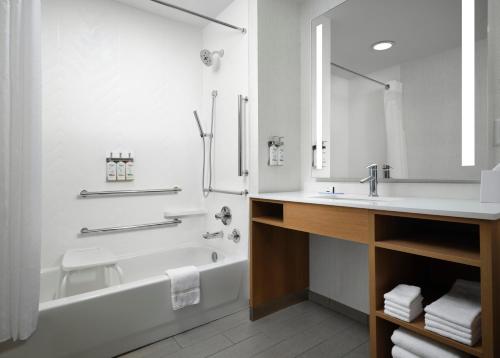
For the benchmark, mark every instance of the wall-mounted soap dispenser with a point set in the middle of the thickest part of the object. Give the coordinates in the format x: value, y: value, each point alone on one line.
x: 276, y: 151
x: 119, y: 167
x: 110, y: 168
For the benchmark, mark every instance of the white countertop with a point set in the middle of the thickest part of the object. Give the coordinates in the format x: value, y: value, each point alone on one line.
x: 471, y: 209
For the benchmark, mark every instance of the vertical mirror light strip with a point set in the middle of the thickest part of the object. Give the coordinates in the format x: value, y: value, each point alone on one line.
x: 319, y: 96
x: 468, y: 83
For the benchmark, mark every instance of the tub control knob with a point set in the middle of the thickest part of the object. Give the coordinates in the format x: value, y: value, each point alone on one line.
x: 224, y: 215
x: 234, y: 236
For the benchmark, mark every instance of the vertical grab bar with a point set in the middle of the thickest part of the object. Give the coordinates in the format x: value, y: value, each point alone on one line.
x: 241, y: 101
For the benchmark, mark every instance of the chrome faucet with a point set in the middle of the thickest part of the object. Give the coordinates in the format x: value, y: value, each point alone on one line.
x: 372, y: 179
x: 213, y: 235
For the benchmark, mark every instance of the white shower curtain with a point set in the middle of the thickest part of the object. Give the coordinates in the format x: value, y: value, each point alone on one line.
x: 397, y: 156
x: 20, y: 178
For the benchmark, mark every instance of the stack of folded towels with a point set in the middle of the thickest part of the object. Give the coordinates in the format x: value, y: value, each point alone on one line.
x: 403, y: 302
x: 457, y: 315
x: 410, y: 345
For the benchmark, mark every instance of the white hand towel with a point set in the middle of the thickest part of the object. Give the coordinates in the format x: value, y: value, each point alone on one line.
x: 458, y: 328
x: 184, y: 286
x: 398, y: 352
x: 403, y: 294
x: 415, y: 306
x: 469, y: 342
x: 400, y: 315
x: 423, y: 347
x: 470, y: 336
x: 462, y: 305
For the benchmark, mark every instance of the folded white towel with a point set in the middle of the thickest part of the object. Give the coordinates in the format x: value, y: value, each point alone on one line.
x: 469, y: 336
x: 403, y: 294
x: 423, y: 347
x: 469, y: 342
x: 400, y: 315
x: 474, y: 328
x: 184, y: 286
x: 415, y: 306
x: 398, y: 352
x: 462, y: 305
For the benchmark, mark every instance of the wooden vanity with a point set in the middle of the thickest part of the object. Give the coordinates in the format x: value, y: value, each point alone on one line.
x: 406, y: 245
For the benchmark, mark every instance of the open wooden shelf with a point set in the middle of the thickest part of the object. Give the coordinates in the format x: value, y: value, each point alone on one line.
x: 417, y: 326
x: 461, y: 252
x: 269, y: 220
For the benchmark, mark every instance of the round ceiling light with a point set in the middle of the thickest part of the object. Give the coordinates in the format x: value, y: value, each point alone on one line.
x: 382, y: 45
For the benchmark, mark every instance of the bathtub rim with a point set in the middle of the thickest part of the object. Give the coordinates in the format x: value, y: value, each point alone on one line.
x: 227, y: 260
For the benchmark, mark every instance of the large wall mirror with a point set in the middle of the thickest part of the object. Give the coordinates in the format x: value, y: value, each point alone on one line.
x: 401, y: 83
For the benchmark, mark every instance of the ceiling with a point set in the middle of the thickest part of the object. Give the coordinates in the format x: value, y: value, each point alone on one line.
x: 210, y: 8
x: 419, y: 28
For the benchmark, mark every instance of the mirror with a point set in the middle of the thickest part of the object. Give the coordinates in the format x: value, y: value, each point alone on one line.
x: 401, y: 83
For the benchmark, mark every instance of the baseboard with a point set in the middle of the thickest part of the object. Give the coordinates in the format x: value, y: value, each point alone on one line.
x: 268, y: 308
x: 339, y: 307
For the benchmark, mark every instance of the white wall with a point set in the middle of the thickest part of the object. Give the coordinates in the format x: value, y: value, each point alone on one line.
x: 326, y: 266
x: 116, y: 77
x: 278, y: 91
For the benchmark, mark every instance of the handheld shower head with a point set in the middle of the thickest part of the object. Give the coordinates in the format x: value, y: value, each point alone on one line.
x: 199, y: 123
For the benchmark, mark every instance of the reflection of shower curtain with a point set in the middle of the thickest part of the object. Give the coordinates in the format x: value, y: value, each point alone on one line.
x: 397, y: 156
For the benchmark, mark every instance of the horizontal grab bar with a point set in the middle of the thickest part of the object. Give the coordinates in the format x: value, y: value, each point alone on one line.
x: 84, y: 193
x: 175, y: 221
x: 231, y: 192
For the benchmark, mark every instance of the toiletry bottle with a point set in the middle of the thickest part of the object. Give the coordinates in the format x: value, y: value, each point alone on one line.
x: 273, y: 152
x: 129, y: 168
x: 110, y: 168
x: 120, y: 170
x: 323, y: 148
x: 281, y: 152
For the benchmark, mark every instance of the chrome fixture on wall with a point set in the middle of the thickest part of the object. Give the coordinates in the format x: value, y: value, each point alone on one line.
x: 241, y: 110
x: 234, y: 236
x: 85, y: 194
x: 86, y: 231
x: 213, y: 235
x: 211, y: 58
x: 372, y: 179
x: 224, y: 215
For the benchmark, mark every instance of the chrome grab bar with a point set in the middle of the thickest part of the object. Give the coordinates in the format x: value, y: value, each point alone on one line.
x: 241, y: 101
x: 84, y: 193
x: 231, y: 192
x: 86, y: 231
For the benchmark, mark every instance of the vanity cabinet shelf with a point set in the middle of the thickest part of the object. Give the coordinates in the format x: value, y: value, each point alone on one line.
x: 269, y: 220
x: 435, y: 247
x: 417, y: 326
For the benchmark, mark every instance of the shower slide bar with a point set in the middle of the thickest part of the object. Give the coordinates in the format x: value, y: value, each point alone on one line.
x: 231, y: 192
x: 172, y: 222
x: 242, y: 29
x: 241, y: 105
x: 361, y: 75
x: 84, y: 193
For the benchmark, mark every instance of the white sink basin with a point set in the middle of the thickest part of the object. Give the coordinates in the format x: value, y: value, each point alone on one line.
x: 354, y: 197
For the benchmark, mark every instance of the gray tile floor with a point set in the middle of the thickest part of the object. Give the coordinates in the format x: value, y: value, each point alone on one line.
x: 305, y: 330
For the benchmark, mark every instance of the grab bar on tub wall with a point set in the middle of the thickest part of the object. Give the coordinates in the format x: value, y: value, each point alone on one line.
x: 231, y: 192
x: 174, y: 221
x: 84, y: 193
x: 241, y: 102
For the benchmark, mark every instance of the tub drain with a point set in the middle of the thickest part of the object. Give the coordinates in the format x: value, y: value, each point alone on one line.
x: 215, y: 257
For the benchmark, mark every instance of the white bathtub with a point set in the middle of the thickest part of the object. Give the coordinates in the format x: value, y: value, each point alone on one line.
x: 109, y: 321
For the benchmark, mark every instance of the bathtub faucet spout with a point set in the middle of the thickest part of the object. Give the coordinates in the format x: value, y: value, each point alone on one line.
x: 213, y: 235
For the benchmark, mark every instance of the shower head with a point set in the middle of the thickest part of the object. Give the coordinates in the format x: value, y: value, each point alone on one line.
x: 210, y: 58
x: 199, y: 123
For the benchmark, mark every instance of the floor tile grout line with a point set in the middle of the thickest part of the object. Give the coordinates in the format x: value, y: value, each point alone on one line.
x: 352, y: 350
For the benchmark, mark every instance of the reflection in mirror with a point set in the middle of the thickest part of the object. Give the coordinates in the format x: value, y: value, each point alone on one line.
x: 406, y: 87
